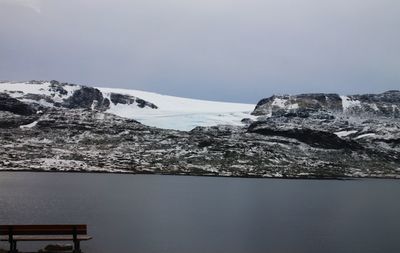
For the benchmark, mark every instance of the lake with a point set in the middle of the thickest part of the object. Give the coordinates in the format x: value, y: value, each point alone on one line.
x: 182, y: 214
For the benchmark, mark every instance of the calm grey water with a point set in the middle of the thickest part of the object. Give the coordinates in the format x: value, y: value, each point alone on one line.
x: 138, y: 213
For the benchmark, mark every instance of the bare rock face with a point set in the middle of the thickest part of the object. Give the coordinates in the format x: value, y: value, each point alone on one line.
x: 11, y: 120
x: 314, y: 138
x: 87, y: 97
x: 126, y: 99
x: 386, y: 104
x: 14, y: 113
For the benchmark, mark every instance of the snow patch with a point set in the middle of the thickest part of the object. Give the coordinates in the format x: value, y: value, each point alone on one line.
x: 94, y: 104
x: 345, y: 133
x: 394, y: 108
x: 293, y: 106
x: 374, y: 107
x: 349, y: 103
x: 33, y: 124
x: 278, y: 102
x: 41, y: 102
x: 284, y: 104
x: 365, y: 135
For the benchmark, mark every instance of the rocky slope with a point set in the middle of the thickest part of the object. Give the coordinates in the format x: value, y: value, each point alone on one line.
x: 386, y: 104
x: 317, y: 138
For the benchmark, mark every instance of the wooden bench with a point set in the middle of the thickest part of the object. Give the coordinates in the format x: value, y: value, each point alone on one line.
x: 15, y: 233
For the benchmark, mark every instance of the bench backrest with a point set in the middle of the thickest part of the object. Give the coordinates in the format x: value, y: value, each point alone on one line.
x: 79, y: 229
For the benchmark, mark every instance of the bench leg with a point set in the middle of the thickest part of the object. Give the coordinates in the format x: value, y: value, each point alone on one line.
x: 13, y: 247
x: 77, y: 246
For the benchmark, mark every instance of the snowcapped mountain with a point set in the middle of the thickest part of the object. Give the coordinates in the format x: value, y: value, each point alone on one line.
x: 64, y: 127
x: 149, y: 108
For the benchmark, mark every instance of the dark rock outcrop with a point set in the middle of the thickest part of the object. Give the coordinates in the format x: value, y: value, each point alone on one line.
x: 314, y: 138
x: 85, y: 97
x: 13, y: 105
x: 126, y: 99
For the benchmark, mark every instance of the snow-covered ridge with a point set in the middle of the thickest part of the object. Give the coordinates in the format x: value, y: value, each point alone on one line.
x: 147, y: 107
x: 20, y: 89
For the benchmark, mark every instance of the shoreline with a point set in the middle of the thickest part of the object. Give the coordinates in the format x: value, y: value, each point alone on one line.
x: 204, y: 175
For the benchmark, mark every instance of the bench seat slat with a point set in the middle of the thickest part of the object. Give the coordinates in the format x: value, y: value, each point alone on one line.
x: 80, y: 229
x: 46, y: 238
x: 44, y: 225
x: 45, y: 232
x: 56, y: 226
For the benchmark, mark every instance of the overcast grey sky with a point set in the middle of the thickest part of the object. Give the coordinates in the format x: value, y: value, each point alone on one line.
x: 230, y: 50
